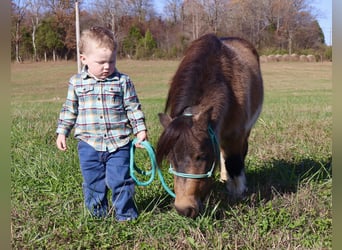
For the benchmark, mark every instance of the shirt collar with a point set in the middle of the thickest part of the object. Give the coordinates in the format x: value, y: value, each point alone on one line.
x: 85, y: 74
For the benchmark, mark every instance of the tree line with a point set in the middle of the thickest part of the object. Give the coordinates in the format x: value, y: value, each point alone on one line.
x: 45, y: 29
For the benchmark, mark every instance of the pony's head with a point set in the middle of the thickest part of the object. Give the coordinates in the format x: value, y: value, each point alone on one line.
x: 190, y: 147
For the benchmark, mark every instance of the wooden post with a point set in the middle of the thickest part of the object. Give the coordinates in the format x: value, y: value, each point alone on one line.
x: 77, y: 36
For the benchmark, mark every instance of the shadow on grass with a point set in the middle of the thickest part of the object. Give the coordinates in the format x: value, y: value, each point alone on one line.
x: 285, y: 176
x: 281, y: 176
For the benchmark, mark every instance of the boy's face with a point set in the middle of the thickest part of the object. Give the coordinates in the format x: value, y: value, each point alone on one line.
x: 100, y: 61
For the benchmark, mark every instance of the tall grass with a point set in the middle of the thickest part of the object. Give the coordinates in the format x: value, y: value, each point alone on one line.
x: 288, y: 205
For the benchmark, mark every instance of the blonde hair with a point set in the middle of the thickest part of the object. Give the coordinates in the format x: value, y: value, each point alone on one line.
x: 104, y: 37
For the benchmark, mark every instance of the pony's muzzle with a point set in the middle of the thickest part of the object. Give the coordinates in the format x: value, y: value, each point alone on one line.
x: 188, y: 207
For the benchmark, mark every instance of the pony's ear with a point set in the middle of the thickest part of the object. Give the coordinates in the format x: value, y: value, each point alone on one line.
x: 164, y: 119
x: 203, y: 117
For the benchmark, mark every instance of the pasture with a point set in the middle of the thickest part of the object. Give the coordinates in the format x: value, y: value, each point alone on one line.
x: 288, y: 169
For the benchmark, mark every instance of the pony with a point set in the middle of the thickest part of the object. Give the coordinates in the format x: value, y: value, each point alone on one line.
x: 215, y: 97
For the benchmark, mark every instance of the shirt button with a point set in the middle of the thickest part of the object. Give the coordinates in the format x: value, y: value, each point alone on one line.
x: 101, y: 116
x: 99, y: 99
x: 105, y: 135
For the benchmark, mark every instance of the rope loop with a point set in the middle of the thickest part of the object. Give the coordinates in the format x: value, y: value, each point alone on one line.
x: 152, y: 172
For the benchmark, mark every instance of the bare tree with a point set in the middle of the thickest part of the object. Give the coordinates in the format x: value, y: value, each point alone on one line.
x: 214, y: 11
x: 143, y: 9
x: 253, y: 20
x: 173, y: 10
x: 288, y: 15
x: 109, y: 12
x: 35, y: 7
x: 19, y: 11
x: 193, y: 14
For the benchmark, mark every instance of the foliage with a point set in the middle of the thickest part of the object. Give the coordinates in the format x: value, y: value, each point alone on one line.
x: 138, y: 46
x: 288, y: 205
x: 328, y: 53
x: 131, y: 42
x: 26, y: 48
x: 147, y: 46
x: 280, y: 25
x: 48, y: 36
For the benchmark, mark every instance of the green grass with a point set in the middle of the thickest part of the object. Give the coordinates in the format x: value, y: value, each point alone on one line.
x: 289, y: 202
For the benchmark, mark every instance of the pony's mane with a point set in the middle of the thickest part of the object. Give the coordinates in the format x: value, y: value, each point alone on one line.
x: 190, y: 80
x: 179, y: 130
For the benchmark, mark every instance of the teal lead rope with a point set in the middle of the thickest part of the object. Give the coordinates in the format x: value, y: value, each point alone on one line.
x: 151, y: 172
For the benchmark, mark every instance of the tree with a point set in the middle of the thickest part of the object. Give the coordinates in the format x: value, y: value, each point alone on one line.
x: 193, y: 13
x: 147, y: 45
x: 62, y: 12
x: 35, y: 7
x: 215, y: 11
x: 143, y: 9
x: 173, y: 10
x: 47, y: 27
x: 131, y: 41
x: 49, y: 38
x: 289, y: 20
x: 26, y: 48
x: 109, y: 13
x: 18, y: 13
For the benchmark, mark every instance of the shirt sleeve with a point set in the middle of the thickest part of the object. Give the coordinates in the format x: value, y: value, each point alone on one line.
x: 68, y: 114
x: 133, y: 107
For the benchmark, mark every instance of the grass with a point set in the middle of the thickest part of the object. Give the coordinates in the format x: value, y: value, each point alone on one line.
x: 289, y: 202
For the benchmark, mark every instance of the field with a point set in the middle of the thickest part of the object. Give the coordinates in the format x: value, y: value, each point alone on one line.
x: 289, y: 200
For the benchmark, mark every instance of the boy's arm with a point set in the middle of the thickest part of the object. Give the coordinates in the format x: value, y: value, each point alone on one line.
x: 133, y: 108
x: 68, y: 115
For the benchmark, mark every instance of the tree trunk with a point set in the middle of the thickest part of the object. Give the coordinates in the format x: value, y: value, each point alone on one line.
x: 34, y: 27
x: 17, y: 41
x: 290, y: 43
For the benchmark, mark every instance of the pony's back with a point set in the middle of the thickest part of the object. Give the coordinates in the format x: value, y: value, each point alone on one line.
x: 189, y: 81
x: 244, y: 50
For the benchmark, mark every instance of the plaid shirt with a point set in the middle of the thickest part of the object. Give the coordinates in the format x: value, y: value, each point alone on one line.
x: 104, y: 113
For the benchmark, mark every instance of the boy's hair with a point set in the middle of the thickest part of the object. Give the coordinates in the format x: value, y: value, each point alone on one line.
x: 104, y: 37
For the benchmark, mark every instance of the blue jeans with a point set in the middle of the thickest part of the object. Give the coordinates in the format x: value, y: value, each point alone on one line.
x: 102, y: 171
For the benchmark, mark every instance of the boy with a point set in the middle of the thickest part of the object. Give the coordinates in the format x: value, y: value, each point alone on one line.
x: 104, y: 108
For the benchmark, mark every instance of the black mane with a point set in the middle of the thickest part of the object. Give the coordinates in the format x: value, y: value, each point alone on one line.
x: 179, y: 130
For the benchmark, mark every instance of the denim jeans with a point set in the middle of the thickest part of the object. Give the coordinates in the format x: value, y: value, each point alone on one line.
x: 103, y: 171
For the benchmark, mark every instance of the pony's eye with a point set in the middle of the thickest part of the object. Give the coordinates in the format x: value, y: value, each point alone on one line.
x: 200, y: 158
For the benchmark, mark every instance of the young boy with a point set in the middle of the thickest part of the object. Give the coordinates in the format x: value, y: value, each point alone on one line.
x: 104, y: 109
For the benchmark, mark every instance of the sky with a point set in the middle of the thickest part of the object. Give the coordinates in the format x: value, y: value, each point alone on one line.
x: 322, y: 7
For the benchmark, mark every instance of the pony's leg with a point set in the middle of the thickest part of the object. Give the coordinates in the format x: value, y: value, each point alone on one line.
x: 236, y: 184
x: 235, y: 166
x: 223, y: 170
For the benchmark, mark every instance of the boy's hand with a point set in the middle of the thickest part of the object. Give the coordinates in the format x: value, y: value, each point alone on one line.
x: 141, y: 136
x: 61, y: 142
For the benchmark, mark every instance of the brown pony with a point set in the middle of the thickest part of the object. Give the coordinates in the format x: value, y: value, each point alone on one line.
x: 214, y: 99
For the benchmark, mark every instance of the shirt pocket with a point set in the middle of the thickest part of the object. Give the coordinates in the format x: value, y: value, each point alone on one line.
x: 84, y: 89
x: 113, y: 96
x: 85, y: 93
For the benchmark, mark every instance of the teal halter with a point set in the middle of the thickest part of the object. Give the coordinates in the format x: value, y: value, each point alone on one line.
x: 210, y: 172
x: 154, y: 166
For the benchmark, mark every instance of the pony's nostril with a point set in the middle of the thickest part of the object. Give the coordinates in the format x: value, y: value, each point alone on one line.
x: 187, y: 211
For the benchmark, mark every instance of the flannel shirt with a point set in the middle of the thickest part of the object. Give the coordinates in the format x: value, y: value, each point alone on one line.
x: 104, y: 113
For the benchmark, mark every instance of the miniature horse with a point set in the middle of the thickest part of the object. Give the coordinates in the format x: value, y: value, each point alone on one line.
x: 215, y: 97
